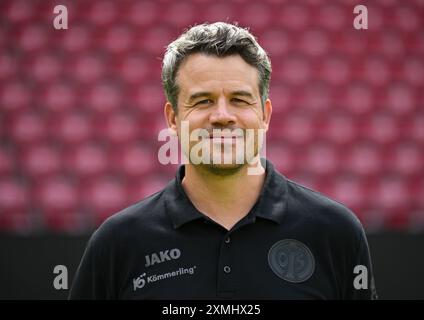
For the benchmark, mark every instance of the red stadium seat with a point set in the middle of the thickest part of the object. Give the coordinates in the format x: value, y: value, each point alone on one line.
x: 335, y: 70
x: 59, y: 97
x: 33, y: 37
x: 58, y: 200
x: 57, y: 194
x: 7, y: 162
x: 119, y: 127
x: 155, y: 39
x: 104, y: 198
x: 134, y: 160
x: 283, y: 156
x: 70, y: 222
x: 391, y: 44
x: 19, y: 11
x: 255, y: 15
x: 88, y: 67
x: 149, y: 99
x: 13, y: 195
x: 295, y: 70
x: 415, y: 128
x: 219, y: 11
x: 407, y: 18
x: 363, y: 159
x: 350, y: 43
x: 350, y: 191
x: 28, y: 128
x: 340, y: 129
x: 15, y: 96
x: 382, y: 128
x: 179, y: 14
x: 413, y: 70
x: 104, y: 97
x: 276, y: 42
x: 417, y: 192
x: 87, y: 160
x: 377, y: 71
x: 379, y: 22
x: 149, y: 128
x: 400, y: 99
x: 72, y: 128
x: 118, y: 39
x: 392, y: 198
x: 8, y: 65
x: 294, y: 17
x: 359, y: 99
x: 406, y: 159
x: 321, y: 158
x: 296, y: 129
x: 102, y: 13
x: 41, y: 160
x: 417, y: 46
x: 149, y: 185
x: 316, y: 98
x: 333, y: 17
x: 45, y: 67
x: 143, y: 13
x: 314, y: 42
x: 77, y: 39
x: 14, y: 206
x: 374, y: 218
x: 392, y: 193
x: 134, y: 68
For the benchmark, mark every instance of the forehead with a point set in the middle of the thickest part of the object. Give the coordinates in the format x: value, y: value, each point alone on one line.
x: 206, y: 72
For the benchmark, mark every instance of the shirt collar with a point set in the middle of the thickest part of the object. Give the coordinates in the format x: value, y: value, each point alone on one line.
x: 271, y: 204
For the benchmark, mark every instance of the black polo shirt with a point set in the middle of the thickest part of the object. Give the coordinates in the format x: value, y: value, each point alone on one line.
x: 293, y: 244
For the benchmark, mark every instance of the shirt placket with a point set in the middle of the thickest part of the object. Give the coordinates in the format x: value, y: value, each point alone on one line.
x: 227, y: 284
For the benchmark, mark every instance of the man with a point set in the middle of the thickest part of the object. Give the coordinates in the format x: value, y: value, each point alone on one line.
x: 220, y: 229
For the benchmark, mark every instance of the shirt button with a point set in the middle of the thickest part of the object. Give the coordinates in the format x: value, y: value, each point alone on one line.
x: 227, y: 240
x: 227, y: 269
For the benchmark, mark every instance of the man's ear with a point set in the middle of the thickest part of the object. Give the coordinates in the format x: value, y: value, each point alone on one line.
x: 267, y: 114
x: 171, y: 118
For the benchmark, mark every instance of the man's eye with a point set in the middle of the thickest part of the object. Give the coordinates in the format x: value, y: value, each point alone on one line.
x: 239, y: 101
x: 203, y: 102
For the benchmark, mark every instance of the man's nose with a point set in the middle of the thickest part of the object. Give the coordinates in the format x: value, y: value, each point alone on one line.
x: 222, y: 114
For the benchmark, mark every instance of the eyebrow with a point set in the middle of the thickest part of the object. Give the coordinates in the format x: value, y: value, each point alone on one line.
x: 205, y: 94
x: 242, y: 93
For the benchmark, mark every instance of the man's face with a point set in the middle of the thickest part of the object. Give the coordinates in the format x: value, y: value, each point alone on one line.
x: 219, y: 93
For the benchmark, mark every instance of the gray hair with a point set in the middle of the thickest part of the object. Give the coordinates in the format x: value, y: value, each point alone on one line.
x: 219, y: 39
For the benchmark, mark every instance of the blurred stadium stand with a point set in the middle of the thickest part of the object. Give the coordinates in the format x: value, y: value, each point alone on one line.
x: 80, y: 109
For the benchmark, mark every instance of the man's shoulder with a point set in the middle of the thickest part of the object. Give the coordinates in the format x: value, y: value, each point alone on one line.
x: 134, y: 220
x: 321, y: 209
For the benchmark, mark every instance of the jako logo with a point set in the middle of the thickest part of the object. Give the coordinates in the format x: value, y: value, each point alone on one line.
x: 139, y: 282
x: 163, y: 256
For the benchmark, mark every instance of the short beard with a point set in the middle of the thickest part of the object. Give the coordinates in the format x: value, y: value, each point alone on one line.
x: 222, y: 171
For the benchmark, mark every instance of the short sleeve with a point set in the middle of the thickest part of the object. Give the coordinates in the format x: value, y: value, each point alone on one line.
x: 91, y: 279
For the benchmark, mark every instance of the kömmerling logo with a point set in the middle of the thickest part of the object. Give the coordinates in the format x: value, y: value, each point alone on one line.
x: 141, y: 281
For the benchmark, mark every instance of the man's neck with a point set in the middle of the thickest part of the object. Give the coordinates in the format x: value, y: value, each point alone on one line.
x: 226, y: 199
